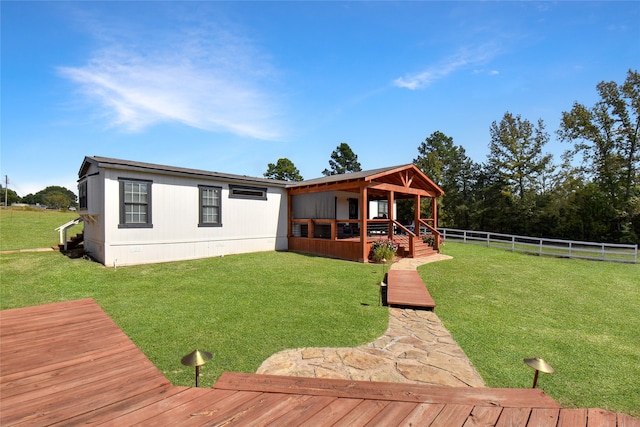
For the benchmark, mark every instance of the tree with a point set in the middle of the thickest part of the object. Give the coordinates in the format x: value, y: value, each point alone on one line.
x: 283, y: 170
x: 31, y: 199
x: 12, y: 196
x: 516, y: 151
x: 606, y: 136
x: 56, y: 197
x: 493, y: 207
x: 449, y: 167
x: 516, y: 155
x: 343, y: 160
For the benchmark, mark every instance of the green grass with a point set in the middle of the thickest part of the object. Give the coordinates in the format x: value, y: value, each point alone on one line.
x: 583, y: 317
x: 33, y: 228
x: 241, y: 308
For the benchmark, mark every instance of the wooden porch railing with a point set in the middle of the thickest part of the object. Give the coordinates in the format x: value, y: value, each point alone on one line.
x: 330, y: 229
x: 434, y: 231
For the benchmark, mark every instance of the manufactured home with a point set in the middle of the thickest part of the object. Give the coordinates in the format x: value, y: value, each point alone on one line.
x: 139, y: 213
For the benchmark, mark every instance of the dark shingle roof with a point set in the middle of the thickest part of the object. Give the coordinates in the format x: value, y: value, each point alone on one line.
x: 107, y: 162
x: 344, y: 176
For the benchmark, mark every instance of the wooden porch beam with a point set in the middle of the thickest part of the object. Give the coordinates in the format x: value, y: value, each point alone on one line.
x: 353, y: 186
x: 400, y: 189
x: 406, y: 179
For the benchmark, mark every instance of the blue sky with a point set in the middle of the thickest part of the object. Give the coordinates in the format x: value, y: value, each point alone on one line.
x: 233, y: 86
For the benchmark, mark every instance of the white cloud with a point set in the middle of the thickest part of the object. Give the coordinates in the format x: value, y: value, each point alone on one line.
x: 214, y: 82
x: 461, y: 60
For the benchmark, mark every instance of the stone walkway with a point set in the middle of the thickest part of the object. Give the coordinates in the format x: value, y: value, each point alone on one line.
x: 416, y: 348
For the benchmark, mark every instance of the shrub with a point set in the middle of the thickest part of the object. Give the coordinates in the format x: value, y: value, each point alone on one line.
x: 383, y: 250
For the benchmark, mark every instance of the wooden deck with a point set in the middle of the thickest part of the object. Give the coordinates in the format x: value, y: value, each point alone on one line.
x: 68, y: 364
x: 406, y: 289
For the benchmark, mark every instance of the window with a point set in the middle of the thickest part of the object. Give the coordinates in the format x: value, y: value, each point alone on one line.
x: 135, y: 203
x: 353, y: 208
x: 242, y: 192
x: 82, y: 195
x: 210, y: 206
x: 383, y: 209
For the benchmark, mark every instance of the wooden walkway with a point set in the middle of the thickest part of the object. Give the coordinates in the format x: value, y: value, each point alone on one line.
x: 69, y: 364
x: 405, y: 289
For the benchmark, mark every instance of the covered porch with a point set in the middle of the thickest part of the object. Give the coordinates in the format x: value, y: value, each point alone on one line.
x: 340, y: 216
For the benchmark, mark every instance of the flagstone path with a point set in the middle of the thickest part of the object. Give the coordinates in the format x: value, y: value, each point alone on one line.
x: 416, y: 348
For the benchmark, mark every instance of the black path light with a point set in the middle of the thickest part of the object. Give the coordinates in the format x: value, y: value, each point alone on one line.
x: 196, y: 358
x: 540, y: 366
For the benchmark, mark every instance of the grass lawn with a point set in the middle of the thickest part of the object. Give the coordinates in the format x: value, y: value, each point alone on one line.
x: 33, y: 228
x: 242, y: 308
x: 583, y: 317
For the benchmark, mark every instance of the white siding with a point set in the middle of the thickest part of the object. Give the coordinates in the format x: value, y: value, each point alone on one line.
x: 342, y: 206
x: 373, y: 210
x: 94, y: 223
x: 247, y: 225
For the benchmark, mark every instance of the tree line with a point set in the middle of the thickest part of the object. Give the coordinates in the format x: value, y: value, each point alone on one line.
x: 53, y: 197
x: 593, y: 194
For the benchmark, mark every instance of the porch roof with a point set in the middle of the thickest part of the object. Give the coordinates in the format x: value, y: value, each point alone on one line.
x: 404, y: 179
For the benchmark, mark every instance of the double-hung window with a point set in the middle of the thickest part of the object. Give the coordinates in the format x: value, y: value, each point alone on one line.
x: 135, y: 203
x: 210, y: 206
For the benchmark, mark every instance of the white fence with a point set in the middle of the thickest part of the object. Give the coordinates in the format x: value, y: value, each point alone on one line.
x: 551, y: 247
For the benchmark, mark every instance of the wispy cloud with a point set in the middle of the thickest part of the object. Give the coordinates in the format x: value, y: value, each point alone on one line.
x: 210, y: 80
x: 463, y: 59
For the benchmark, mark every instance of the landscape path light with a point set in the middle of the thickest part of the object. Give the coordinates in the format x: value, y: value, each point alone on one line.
x: 540, y: 366
x: 196, y: 358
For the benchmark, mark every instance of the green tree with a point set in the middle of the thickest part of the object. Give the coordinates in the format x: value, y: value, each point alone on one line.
x: 12, y: 196
x: 343, y: 160
x: 493, y: 208
x: 31, y: 199
x: 516, y: 155
x: 606, y: 136
x: 516, y: 151
x: 283, y: 170
x: 449, y: 167
x: 56, y: 197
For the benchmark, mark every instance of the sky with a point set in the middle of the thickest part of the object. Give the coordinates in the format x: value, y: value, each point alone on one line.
x: 233, y: 86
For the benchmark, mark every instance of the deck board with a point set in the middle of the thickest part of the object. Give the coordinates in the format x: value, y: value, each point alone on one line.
x: 506, y: 397
x: 406, y: 289
x: 84, y: 370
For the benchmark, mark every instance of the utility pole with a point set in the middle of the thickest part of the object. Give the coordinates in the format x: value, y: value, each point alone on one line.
x: 6, y: 186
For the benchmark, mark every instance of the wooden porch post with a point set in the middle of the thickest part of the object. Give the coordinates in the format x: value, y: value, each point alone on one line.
x: 416, y: 216
x: 289, y: 216
x: 434, y: 212
x: 364, y: 214
x: 390, y: 202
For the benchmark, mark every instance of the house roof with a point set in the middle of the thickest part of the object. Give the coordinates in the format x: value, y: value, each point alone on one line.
x: 401, y: 177
x: 350, y: 176
x: 407, y: 179
x: 110, y: 163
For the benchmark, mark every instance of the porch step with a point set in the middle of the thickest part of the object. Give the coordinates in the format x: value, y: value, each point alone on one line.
x: 72, y: 243
x: 421, y: 249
